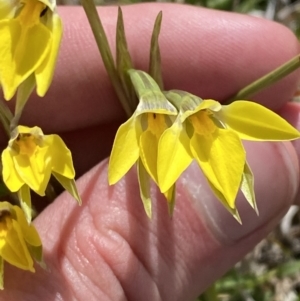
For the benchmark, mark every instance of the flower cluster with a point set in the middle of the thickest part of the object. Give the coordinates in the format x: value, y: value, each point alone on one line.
x: 167, y: 131
x: 30, y: 35
x: 171, y: 129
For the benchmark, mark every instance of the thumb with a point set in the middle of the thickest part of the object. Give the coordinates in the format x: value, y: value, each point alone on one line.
x: 108, y: 249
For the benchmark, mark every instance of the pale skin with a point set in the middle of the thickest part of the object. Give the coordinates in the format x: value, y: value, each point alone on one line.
x: 108, y: 249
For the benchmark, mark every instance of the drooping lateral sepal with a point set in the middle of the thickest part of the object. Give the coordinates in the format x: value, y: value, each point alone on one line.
x: 69, y: 185
x: 144, y: 183
x: 247, y: 187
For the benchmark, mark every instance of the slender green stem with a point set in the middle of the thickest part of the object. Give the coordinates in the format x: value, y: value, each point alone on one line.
x: 50, y: 191
x: 24, y: 91
x: 267, y: 80
x: 155, y: 58
x: 124, y: 62
x: 103, y: 46
x: 5, y: 117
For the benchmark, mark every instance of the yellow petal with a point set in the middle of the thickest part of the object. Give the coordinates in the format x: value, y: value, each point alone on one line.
x: 125, y: 151
x: 144, y: 183
x: 215, y: 156
x: 34, y: 170
x: 28, y: 230
x: 252, y: 121
x: 31, y: 237
x: 148, y: 153
x: 149, y: 139
x: 21, y: 52
x: 44, y: 73
x: 174, y: 155
x: 149, y: 144
x: 14, y: 249
x: 60, y: 156
x: 69, y: 185
x: 11, y: 177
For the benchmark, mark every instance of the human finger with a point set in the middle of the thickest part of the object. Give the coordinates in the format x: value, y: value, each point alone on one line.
x: 108, y: 249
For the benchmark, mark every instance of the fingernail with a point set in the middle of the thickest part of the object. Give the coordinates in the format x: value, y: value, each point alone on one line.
x: 275, y: 169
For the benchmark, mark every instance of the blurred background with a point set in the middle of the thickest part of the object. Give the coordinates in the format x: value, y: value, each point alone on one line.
x: 283, y: 11
x: 271, y: 272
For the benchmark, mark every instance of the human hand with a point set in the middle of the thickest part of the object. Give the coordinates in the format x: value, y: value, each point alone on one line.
x: 108, y: 249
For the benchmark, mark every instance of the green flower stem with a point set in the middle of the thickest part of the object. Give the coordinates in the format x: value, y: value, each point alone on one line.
x: 5, y: 117
x: 267, y: 80
x: 50, y: 191
x: 155, y: 58
x: 24, y: 91
x: 103, y: 46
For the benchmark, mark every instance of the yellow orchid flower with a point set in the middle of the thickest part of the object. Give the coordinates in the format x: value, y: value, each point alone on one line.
x: 211, y: 134
x: 30, y: 35
x: 30, y: 159
x: 137, y: 139
x: 19, y: 241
